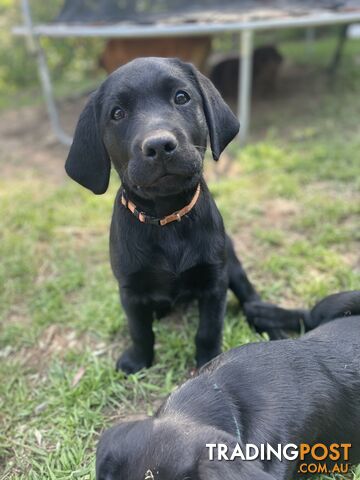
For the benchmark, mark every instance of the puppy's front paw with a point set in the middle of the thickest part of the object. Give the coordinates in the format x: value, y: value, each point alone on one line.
x: 131, y: 361
x: 261, y: 315
x: 206, y: 357
x: 266, y: 317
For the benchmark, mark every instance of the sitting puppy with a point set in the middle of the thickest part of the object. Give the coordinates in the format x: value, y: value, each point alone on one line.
x: 289, y: 391
x: 152, y: 118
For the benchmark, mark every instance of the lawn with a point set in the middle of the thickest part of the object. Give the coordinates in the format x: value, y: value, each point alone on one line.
x: 291, y: 201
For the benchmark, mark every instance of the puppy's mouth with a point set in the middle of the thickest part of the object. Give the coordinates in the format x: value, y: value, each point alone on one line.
x: 177, y: 174
x: 166, y: 178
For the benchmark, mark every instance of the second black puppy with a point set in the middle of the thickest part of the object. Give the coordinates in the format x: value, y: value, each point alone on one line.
x: 289, y: 391
x: 152, y: 118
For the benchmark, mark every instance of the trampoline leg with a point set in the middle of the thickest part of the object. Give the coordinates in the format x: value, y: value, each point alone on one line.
x: 44, y: 76
x: 245, y: 80
x: 49, y: 98
x: 335, y: 62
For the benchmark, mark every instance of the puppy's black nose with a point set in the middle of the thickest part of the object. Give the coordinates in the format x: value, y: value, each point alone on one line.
x: 159, y: 144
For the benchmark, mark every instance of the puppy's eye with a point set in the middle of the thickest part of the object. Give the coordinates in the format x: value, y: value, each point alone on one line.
x: 181, y: 97
x: 117, y: 113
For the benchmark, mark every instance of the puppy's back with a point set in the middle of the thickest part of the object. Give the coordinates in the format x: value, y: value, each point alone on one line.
x: 342, y: 331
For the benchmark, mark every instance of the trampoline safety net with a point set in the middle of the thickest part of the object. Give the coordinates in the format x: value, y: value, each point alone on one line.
x: 184, y: 11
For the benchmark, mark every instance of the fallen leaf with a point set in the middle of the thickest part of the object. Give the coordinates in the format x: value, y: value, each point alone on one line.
x: 38, y: 437
x: 39, y: 408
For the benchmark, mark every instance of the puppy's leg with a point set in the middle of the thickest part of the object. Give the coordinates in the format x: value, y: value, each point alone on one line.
x: 141, y: 353
x: 238, y: 280
x: 208, y: 337
x: 242, y: 288
x: 263, y: 317
x: 272, y: 319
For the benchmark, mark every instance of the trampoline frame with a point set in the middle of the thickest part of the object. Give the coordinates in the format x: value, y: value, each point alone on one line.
x: 246, y: 31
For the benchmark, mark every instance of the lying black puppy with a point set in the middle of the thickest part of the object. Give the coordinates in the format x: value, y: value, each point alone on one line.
x: 289, y: 391
x: 152, y: 118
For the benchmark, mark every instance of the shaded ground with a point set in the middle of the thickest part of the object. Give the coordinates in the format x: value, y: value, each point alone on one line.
x: 296, y: 226
x: 28, y: 143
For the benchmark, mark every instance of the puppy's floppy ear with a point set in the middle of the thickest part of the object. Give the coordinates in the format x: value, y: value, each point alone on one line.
x: 88, y: 162
x: 111, y: 447
x: 222, y: 123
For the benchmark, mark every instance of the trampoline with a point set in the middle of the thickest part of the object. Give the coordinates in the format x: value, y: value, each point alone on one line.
x: 179, y: 18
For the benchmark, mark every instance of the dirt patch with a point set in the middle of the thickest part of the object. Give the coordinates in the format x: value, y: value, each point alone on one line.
x: 29, y: 146
x: 279, y: 212
x: 57, y: 341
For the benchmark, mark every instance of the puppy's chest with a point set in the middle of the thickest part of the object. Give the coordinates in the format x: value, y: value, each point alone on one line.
x: 158, y: 283
x: 173, y: 271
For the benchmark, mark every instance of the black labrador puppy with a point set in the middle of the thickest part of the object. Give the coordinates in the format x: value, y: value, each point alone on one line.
x: 290, y: 391
x: 152, y: 118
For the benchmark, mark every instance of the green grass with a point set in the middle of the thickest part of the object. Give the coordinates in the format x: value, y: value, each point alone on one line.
x: 296, y: 228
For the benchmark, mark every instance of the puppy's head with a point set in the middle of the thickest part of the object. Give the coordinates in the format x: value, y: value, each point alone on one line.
x: 151, y: 118
x: 150, y: 449
x: 164, y: 449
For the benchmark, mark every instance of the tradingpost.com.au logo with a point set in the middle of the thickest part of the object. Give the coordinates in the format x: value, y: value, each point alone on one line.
x: 311, y: 458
